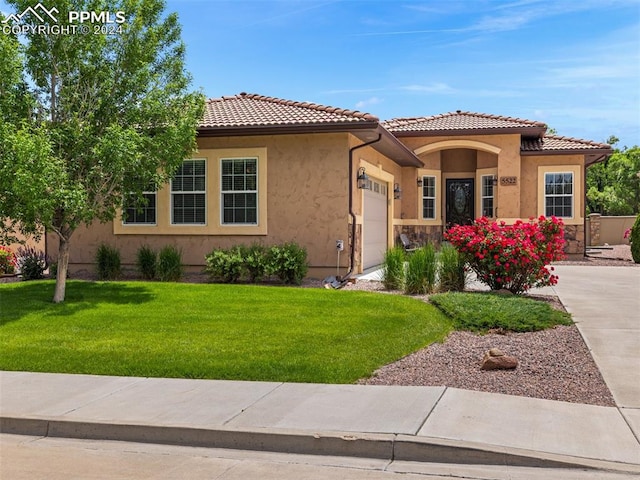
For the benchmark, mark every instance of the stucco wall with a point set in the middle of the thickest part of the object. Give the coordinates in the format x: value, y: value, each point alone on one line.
x: 530, y: 190
x: 462, y: 156
x: 307, y: 203
x: 608, y: 230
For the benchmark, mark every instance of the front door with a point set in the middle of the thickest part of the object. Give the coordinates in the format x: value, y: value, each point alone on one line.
x: 460, y: 208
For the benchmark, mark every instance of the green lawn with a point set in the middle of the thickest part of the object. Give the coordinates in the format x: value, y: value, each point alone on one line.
x: 239, y: 332
x: 481, y: 312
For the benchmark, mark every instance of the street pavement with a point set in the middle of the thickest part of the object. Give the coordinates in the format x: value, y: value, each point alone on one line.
x: 396, y: 429
x: 39, y: 458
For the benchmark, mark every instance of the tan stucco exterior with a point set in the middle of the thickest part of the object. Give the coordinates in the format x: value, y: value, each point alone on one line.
x: 303, y: 195
x: 303, y: 191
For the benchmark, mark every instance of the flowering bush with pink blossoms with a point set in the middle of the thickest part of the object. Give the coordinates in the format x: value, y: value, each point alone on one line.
x: 512, y: 257
x: 8, y: 261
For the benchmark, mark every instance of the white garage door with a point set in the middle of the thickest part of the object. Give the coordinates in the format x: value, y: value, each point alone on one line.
x: 374, y: 228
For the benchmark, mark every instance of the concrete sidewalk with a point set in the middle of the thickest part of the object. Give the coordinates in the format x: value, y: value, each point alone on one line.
x: 424, y: 424
x: 421, y: 424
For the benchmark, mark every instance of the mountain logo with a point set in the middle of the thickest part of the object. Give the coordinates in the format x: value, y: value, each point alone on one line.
x: 39, y: 11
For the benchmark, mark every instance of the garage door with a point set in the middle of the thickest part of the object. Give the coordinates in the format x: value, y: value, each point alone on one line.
x: 374, y: 228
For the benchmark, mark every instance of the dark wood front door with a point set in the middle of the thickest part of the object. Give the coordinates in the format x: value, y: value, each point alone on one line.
x: 460, y: 206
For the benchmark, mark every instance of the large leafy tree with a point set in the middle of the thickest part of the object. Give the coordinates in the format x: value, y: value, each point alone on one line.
x: 613, y: 186
x: 92, y: 119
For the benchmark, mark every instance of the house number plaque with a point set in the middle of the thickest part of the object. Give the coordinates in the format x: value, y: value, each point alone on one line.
x: 507, y: 181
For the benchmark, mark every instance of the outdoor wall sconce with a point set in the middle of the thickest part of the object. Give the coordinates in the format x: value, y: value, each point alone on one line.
x: 495, y: 180
x: 397, y: 193
x: 363, y: 178
x: 419, y: 182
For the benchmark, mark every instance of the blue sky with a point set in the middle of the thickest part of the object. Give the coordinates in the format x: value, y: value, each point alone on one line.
x: 573, y: 64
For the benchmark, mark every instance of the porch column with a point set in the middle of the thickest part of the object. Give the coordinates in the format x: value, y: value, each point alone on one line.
x: 507, y: 193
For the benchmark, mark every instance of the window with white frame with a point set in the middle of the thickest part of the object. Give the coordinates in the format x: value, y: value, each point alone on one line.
x: 429, y: 197
x: 239, y: 190
x: 486, y: 196
x: 188, y: 193
x: 141, y: 211
x: 558, y: 194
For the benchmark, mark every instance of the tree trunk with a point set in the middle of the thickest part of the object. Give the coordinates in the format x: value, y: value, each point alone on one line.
x: 63, y: 265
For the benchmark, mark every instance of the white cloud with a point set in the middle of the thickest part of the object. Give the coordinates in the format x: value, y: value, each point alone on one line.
x: 368, y: 102
x: 436, y: 87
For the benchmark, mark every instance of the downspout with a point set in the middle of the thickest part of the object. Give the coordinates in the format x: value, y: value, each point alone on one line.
x: 352, y: 260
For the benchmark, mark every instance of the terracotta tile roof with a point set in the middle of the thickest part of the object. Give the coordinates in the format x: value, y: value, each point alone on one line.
x: 555, y: 143
x: 460, y: 122
x: 252, y: 110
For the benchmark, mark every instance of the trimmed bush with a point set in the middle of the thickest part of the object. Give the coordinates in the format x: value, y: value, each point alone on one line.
x: 452, y: 275
x: 421, y: 271
x: 393, y: 269
x: 146, y: 260
x: 255, y: 262
x: 7, y: 261
x: 288, y: 262
x: 169, y: 266
x: 225, y: 265
x: 32, y: 263
x: 108, y: 262
x: 634, y: 239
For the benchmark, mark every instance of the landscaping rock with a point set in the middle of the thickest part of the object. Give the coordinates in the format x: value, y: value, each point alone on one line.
x: 495, y: 359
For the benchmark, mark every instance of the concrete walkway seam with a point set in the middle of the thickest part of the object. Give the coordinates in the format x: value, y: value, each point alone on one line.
x: 384, y: 446
x: 435, y: 404
x: 266, y: 394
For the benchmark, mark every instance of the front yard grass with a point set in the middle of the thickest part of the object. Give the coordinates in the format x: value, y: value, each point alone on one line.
x: 239, y: 332
x: 481, y: 312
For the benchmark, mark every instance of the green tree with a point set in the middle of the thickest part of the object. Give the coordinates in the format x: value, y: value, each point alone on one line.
x: 613, y: 186
x: 110, y: 114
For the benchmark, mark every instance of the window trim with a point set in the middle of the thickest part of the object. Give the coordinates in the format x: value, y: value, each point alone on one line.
x: 484, y: 197
x: 419, y: 220
x: 578, y: 194
x: 256, y: 192
x: 173, y: 192
x: 213, y: 198
x: 142, y: 224
x: 434, y: 198
x: 560, y: 195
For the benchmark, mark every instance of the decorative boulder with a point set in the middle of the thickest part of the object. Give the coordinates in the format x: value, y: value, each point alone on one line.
x: 495, y: 359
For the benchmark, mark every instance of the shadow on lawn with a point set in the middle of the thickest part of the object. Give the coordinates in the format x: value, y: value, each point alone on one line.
x: 31, y: 297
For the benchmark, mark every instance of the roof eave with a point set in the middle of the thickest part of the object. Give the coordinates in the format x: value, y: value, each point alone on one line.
x: 591, y: 157
x: 596, y: 154
x: 393, y: 148
x: 284, y: 129
x: 528, y: 132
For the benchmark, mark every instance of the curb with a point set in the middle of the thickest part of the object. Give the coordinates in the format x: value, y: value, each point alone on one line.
x: 392, y: 447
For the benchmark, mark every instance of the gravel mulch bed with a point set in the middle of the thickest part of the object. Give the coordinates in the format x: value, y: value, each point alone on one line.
x: 554, y: 364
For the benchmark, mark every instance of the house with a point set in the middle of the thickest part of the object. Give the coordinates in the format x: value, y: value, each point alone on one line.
x: 269, y: 171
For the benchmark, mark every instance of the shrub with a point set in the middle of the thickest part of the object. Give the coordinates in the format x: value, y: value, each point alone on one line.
x: 224, y: 265
x: 288, y: 262
x: 32, y: 263
x: 108, y: 262
x: 169, y: 265
x: 146, y: 260
x: 512, y: 257
x: 634, y: 240
x: 393, y: 269
x: 452, y: 274
x: 421, y: 270
x: 254, y: 262
x: 8, y: 261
